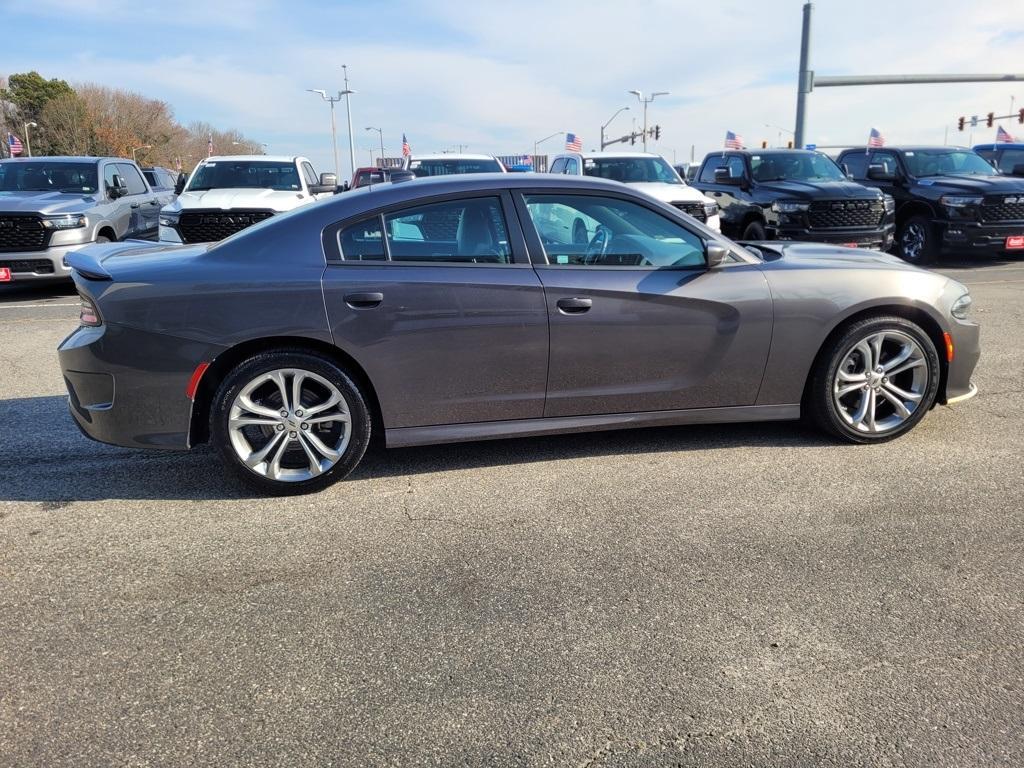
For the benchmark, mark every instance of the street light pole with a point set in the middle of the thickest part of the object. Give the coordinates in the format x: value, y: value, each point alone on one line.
x: 640, y: 97
x: 541, y: 141
x: 144, y: 146
x: 780, y: 129
x: 347, y: 93
x: 623, y: 109
x: 28, y: 141
x: 334, y: 131
x: 381, y: 132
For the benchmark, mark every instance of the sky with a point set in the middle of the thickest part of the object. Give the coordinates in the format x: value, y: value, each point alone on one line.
x: 495, y: 77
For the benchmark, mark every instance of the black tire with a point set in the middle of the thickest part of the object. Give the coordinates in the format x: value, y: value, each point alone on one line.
x: 308, y: 362
x: 754, y: 231
x: 820, y: 405
x: 102, y: 239
x: 916, y: 241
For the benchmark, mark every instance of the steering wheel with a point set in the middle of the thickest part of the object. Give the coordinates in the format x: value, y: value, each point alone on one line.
x: 598, y: 245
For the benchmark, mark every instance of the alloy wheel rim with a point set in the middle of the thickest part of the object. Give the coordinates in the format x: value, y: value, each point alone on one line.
x: 881, y: 382
x: 289, y: 425
x: 913, y: 241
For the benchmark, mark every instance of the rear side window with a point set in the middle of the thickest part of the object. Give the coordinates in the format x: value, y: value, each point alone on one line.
x: 856, y: 164
x: 362, y: 241
x: 460, y: 231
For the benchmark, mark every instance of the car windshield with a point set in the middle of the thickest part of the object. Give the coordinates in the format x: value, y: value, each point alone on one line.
x: 794, y: 167
x: 445, y: 167
x: 946, y: 162
x: 42, y: 176
x: 245, y: 174
x: 631, y: 170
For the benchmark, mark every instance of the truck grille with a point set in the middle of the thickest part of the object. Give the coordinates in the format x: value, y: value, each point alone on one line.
x: 22, y: 233
x: 998, y: 209
x: 34, y: 266
x: 837, y: 214
x: 693, y: 209
x: 210, y: 226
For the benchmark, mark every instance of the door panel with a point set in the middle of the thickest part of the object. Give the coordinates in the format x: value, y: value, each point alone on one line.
x: 657, y: 339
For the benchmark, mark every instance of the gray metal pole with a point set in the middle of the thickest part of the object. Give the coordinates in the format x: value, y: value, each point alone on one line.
x: 334, y: 141
x: 805, y: 80
x: 833, y: 81
x: 348, y: 109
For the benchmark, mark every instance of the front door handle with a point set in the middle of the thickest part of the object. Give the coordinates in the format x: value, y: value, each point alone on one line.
x: 364, y: 300
x: 153, y: 202
x: 574, y: 306
x: 135, y: 205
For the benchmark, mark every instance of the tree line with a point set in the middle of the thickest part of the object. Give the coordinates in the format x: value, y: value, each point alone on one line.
x: 92, y: 119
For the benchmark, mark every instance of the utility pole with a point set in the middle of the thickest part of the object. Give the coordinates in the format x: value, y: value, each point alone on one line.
x: 347, y: 93
x: 334, y: 131
x: 805, y: 81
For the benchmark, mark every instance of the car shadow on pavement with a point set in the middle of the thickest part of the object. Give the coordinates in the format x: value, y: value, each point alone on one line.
x: 47, y: 460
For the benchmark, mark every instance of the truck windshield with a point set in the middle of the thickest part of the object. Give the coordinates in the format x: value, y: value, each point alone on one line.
x: 43, y: 176
x: 946, y: 162
x: 245, y: 174
x: 448, y: 167
x: 794, y: 167
x: 631, y: 170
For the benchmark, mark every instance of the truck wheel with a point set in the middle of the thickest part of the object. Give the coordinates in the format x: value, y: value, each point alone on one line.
x: 916, y: 241
x: 754, y: 231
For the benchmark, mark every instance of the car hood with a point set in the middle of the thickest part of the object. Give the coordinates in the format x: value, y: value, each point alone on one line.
x: 226, y: 199
x: 818, y: 190
x: 779, y: 255
x: 46, y: 203
x: 671, y: 193
x: 979, y: 185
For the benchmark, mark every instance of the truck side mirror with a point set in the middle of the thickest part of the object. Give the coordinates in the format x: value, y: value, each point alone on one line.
x: 880, y: 173
x: 118, y: 188
x: 724, y: 176
x: 179, y: 185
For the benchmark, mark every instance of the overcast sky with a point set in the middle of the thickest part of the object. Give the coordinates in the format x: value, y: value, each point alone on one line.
x: 498, y: 76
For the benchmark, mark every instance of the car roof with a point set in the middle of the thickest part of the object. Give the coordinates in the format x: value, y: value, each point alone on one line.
x: 251, y: 158
x: 1000, y: 145
x: 772, y: 151
x: 65, y: 159
x: 452, y: 156
x: 610, y: 154
x: 914, y: 148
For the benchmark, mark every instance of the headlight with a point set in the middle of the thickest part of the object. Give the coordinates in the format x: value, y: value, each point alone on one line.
x: 169, y: 219
x: 789, y: 206
x: 710, y: 209
x: 890, y: 203
x: 960, y: 201
x: 68, y: 221
x: 961, y: 307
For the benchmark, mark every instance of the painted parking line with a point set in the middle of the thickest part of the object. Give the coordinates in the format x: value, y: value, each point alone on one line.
x: 37, y: 306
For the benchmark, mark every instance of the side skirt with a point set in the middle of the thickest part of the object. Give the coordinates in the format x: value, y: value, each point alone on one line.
x: 495, y: 430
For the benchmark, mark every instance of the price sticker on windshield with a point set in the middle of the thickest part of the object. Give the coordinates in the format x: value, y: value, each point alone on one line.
x: 5, y: 274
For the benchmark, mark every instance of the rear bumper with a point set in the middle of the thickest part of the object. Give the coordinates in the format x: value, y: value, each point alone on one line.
x: 127, y: 387
x: 39, y: 265
x: 981, y: 238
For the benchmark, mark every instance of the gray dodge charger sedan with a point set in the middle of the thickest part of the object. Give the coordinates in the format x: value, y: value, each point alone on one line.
x: 488, y: 306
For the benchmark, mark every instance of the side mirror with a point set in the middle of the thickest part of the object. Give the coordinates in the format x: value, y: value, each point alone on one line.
x: 879, y: 173
x: 716, y: 254
x: 119, y: 188
x: 1018, y: 170
x: 179, y: 185
x: 723, y: 176
x: 328, y: 180
x: 328, y: 183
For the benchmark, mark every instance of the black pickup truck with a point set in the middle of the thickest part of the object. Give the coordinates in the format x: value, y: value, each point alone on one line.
x: 947, y: 199
x: 794, y: 194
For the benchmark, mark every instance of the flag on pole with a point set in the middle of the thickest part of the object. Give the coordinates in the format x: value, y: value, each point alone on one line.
x: 875, y: 138
x: 527, y: 160
x: 209, y: 146
x: 573, y: 143
x: 406, y: 149
x: 733, y: 140
x: 14, y: 144
x: 1003, y: 135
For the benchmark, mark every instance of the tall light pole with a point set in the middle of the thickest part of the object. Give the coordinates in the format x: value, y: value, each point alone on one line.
x: 640, y: 97
x: 144, y: 146
x: 28, y: 142
x: 381, y: 132
x: 334, y: 131
x: 348, y: 109
x: 621, y: 110
x: 541, y: 141
x: 780, y: 129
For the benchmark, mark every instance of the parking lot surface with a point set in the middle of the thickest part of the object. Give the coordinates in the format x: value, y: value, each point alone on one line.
x: 729, y: 596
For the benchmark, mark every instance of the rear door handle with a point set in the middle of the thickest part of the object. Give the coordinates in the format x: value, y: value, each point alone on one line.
x: 574, y: 306
x: 135, y: 205
x: 153, y: 202
x: 364, y: 300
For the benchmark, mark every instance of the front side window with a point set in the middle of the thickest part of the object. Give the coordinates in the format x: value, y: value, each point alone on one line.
x: 310, y: 174
x: 44, y: 176
x: 572, y: 166
x: 132, y: 178
x: 109, y: 172
x: 245, y: 174
x: 711, y: 165
x: 558, y: 166
x: 590, y: 230
x: 856, y: 163
x: 631, y: 170
x: 946, y: 162
x: 1009, y: 159
x: 461, y: 231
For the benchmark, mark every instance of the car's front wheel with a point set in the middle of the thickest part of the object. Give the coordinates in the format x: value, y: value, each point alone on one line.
x: 916, y: 241
x: 290, y: 422
x: 875, y: 381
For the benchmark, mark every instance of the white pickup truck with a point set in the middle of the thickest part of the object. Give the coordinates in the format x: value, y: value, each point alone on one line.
x: 226, y: 194
x: 647, y: 172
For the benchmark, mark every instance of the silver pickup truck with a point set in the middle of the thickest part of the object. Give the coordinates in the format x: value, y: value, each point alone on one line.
x: 52, y: 205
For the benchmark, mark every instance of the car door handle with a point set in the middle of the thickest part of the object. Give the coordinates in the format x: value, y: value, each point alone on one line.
x: 135, y: 205
x: 574, y: 306
x: 364, y: 300
x: 153, y: 202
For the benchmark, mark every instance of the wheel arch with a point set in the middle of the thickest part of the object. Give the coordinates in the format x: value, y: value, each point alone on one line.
x: 106, y: 229
x: 224, y: 363
x: 913, y: 208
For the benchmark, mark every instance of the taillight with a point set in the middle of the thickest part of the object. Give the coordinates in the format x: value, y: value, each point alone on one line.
x: 87, y: 312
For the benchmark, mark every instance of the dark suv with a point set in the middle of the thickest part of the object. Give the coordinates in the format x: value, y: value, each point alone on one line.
x: 947, y: 199
x: 794, y: 194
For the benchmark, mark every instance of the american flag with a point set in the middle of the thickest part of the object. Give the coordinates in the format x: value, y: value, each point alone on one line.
x: 573, y: 143
x: 527, y: 160
x: 406, y: 149
x: 1003, y: 135
x: 875, y: 138
x: 15, y: 144
x: 733, y: 140
x: 209, y: 147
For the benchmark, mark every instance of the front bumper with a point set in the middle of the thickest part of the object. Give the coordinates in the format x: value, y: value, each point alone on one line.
x: 966, y: 337
x: 128, y: 387
x: 39, y: 265
x: 977, y: 237
x: 879, y: 238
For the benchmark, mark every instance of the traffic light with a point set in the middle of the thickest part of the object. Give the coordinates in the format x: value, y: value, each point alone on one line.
x: 789, y: 144
x: 657, y: 132
x: 632, y: 138
x: 991, y: 119
x: 764, y: 144
x: 962, y: 120
x: 1020, y: 116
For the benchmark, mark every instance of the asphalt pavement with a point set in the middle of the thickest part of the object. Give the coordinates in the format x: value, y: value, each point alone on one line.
x: 742, y: 595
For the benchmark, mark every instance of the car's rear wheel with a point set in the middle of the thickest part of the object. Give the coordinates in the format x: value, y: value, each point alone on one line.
x: 754, y: 231
x: 916, y: 241
x: 290, y: 422
x: 875, y: 381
